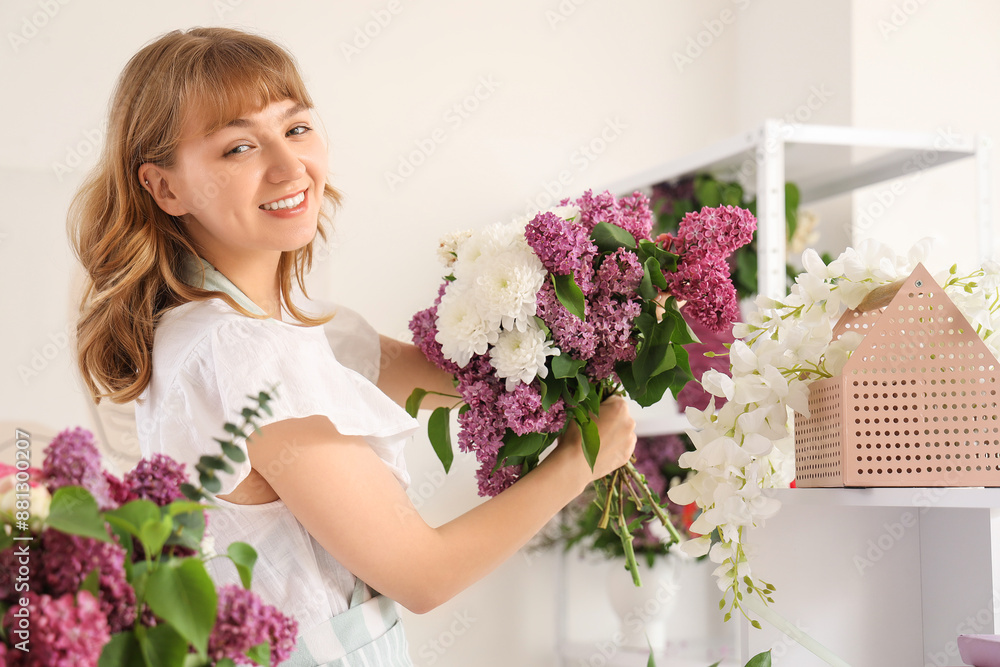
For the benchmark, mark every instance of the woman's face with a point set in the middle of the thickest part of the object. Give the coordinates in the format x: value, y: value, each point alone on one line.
x: 252, y: 188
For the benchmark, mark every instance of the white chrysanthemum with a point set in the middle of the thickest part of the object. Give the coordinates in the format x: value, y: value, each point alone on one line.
x: 449, y: 246
x: 505, y: 286
x: 519, y: 356
x: 462, y: 331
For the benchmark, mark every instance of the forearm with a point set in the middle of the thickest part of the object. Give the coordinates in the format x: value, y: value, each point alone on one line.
x: 477, y: 542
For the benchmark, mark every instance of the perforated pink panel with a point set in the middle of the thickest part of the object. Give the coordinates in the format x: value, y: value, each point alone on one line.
x: 916, y: 405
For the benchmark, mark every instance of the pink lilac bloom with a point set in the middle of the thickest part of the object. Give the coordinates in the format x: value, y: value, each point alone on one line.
x: 704, y: 284
x: 66, y: 560
x: 72, y: 459
x: 244, y: 621
x: 716, y: 232
x: 119, y: 491
x: 613, y: 330
x: 157, y: 479
x: 66, y: 631
x: 636, y: 216
x: 573, y: 336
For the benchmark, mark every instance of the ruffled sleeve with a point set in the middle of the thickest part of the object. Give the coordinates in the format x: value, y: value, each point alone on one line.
x: 251, y: 356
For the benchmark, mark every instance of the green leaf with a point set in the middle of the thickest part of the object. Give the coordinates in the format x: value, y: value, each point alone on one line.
x: 73, y: 510
x: 529, y: 444
x: 154, y: 534
x: 229, y: 427
x: 655, y: 273
x: 707, y: 191
x: 6, y: 541
x: 211, y: 483
x: 214, y: 463
x: 182, y: 594
x: 122, y: 651
x: 133, y: 515
x: 191, y: 492
x: 261, y: 654
x: 591, y: 441
x: 732, y: 194
x: 565, y: 366
x: 163, y: 646
x: 439, y: 432
x: 189, y: 527
x: 646, y: 289
x: 91, y: 583
x: 232, y: 451
x: 570, y: 295
x: 226, y: 662
x: 608, y: 237
x: 414, y: 400
x: 760, y: 660
x: 244, y: 557
x: 553, y: 392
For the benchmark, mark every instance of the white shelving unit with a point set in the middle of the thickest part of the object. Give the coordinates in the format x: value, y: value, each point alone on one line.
x: 879, y: 576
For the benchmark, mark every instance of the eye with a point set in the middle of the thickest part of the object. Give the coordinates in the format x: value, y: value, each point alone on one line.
x: 299, y: 130
x: 238, y: 150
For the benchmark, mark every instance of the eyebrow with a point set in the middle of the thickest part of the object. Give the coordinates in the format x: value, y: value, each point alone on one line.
x: 243, y: 122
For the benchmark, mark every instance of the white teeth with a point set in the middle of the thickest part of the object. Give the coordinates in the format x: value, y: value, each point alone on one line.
x: 291, y: 202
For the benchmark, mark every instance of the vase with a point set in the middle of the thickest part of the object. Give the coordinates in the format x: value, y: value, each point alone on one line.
x: 644, y: 611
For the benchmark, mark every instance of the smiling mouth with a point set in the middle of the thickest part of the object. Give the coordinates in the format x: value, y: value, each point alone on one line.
x: 290, y: 202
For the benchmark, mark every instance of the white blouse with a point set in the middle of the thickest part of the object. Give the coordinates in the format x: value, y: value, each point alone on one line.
x: 208, y: 360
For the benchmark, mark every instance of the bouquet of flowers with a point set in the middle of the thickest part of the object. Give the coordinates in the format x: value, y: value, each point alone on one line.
x: 101, y: 571
x: 540, y: 320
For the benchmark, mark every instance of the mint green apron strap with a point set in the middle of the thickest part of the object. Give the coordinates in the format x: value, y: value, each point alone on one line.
x: 368, y: 634
x: 198, y: 272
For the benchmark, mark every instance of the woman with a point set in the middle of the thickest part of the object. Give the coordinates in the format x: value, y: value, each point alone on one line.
x: 205, y: 204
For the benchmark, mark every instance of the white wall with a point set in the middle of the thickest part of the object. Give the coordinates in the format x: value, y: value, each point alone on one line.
x: 565, y: 71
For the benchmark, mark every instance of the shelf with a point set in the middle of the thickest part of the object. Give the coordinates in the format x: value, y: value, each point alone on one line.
x: 922, y: 497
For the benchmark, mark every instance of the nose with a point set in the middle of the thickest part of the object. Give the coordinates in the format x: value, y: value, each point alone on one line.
x: 285, y: 164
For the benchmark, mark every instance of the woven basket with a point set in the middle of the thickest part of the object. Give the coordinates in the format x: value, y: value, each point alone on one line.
x: 916, y: 404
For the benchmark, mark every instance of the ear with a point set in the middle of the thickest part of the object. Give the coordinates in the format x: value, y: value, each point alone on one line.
x: 156, y: 181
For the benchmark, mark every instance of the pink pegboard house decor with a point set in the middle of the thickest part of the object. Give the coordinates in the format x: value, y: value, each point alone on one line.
x: 915, y: 405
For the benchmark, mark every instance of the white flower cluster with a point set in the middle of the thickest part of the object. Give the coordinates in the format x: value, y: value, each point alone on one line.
x: 490, y: 305
x: 746, y: 445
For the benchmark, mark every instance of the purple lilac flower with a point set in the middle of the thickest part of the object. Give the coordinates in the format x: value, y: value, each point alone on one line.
x: 66, y: 560
x: 613, y: 330
x: 72, y: 459
x: 66, y: 631
x: 157, y: 479
x: 492, y: 484
x: 244, y: 621
x: 716, y: 232
x: 572, y: 335
x: 620, y: 273
x: 636, y: 217
x: 523, y: 411
x: 563, y: 246
x: 118, y: 490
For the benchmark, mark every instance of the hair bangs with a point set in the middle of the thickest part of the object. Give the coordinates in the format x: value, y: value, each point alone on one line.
x: 231, y: 80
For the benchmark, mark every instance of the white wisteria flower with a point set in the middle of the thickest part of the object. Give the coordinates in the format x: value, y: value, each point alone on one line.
x: 519, y: 356
x: 746, y: 445
x: 449, y: 246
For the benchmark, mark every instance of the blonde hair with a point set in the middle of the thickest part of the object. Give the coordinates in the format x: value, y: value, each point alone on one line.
x: 132, y: 251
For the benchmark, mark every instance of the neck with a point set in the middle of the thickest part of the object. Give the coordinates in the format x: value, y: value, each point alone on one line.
x: 256, y: 276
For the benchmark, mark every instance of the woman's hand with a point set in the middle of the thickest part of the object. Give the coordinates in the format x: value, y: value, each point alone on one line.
x: 617, y: 431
